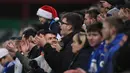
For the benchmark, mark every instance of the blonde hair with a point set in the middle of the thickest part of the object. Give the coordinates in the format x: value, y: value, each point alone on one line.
x: 81, y: 37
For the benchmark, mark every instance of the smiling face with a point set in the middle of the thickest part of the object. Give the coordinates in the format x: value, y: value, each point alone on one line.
x: 50, y: 38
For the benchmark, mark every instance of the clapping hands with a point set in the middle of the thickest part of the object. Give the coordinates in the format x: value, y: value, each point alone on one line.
x: 41, y: 41
x: 10, y: 45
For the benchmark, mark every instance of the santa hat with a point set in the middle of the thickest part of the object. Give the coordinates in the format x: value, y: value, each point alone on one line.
x: 48, y: 12
x: 3, y: 52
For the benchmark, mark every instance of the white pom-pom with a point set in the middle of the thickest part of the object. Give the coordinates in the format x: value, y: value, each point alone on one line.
x: 56, y: 19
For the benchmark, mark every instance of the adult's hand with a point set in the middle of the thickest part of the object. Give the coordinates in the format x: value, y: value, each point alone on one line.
x: 55, y: 44
x: 10, y: 45
x: 41, y: 41
x: 24, y: 46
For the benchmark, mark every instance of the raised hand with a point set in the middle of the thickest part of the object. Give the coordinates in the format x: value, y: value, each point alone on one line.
x: 55, y: 44
x: 41, y: 41
x: 10, y: 45
x: 24, y: 46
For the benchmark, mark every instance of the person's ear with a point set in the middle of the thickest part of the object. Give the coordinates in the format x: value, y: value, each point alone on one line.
x: 30, y: 38
x: 93, y: 21
x: 69, y: 27
x: 40, y: 35
x: 113, y: 30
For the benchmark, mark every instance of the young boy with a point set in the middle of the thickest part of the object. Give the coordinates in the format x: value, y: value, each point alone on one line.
x: 6, y: 61
x: 95, y: 39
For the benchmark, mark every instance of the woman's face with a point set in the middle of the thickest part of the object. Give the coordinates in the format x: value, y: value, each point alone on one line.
x: 75, y: 45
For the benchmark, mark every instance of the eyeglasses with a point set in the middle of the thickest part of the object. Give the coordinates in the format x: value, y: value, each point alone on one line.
x: 61, y: 23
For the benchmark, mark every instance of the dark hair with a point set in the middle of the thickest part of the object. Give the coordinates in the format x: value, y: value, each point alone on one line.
x: 93, y: 13
x: 29, y: 32
x: 115, y: 22
x: 74, y: 19
x: 81, y: 12
x: 42, y: 31
x: 96, y: 27
x: 38, y: 27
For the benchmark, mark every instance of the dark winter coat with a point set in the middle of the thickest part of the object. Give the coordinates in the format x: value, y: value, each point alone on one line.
x: 81, y: 59
x: 59, y: 61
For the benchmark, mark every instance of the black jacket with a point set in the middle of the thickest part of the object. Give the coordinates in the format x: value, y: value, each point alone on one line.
x: 127, y: 27
x: 81, y: 59
x: 55, y: 27
x: 38, y: 70
x: 35, y: 52
x: 59, y: 61
x: 121, y: 59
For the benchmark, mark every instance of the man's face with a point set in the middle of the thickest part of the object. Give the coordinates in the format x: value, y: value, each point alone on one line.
x: 106, y: 31
x: 42, y: 20
x: 105, y: 4
x: 50, y: 38
x: 87, y: 19
x: 94, y: 38
x: 65, y: 27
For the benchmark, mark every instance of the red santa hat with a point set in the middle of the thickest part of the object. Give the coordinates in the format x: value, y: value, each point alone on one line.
x: 47, y: 12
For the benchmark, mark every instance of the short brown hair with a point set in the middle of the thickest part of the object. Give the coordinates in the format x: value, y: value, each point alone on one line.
x: 93, y: 13
x: 115, y: 22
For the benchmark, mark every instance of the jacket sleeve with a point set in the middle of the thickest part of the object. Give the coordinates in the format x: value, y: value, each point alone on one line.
x: 24, y: 61
x: 18, y: 66
x: 52, y: 57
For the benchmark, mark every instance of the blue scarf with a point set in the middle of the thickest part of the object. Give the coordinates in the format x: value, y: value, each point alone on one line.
x: 51, y: 23
x: 112, y: 48
x: 97, y: 59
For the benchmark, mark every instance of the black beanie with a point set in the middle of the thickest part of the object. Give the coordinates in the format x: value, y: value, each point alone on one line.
x: 116, y: 2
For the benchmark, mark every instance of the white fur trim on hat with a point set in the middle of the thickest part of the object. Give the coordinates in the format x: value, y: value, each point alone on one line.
x: 3, y: 52
x: 44, y: 14
x: 56, y: 19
